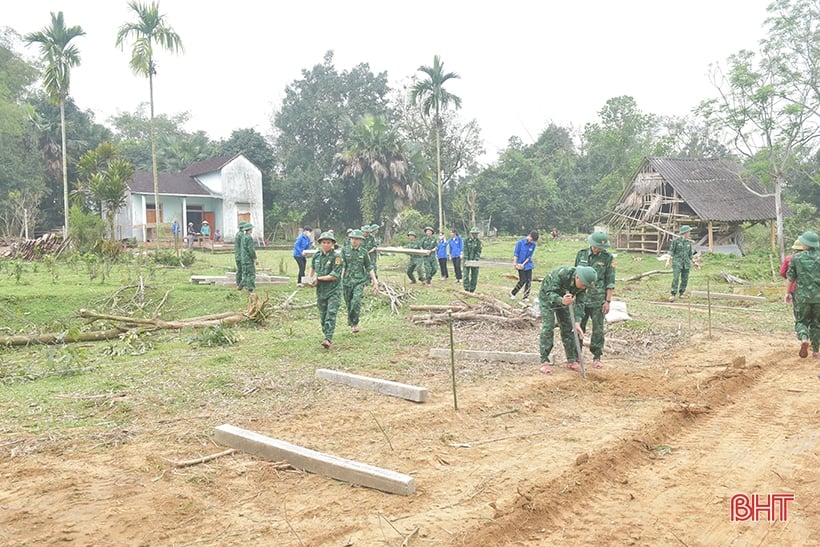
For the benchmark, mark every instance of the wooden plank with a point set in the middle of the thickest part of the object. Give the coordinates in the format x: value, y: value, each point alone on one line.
x: 315, y: 462
x: 402, y: 250
x: 487, y: 264
x: 475, y: 355
x: 395, y: 389
x: 730, y: 296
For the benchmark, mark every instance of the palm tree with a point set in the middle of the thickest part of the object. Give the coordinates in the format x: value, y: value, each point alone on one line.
x: 104, y: 178
x: 434, y: 97
x: 149, y: 29
x: 60, y: 56
x: 377, y: 154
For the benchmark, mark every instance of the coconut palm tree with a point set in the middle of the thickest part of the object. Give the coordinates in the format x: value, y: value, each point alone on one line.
x: 60, y: 57
x: 378, y: 155
x: 435, y: 98
x: 148, y: 30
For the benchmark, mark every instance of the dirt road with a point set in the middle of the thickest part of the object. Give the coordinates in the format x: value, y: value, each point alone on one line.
x: 647, y: 451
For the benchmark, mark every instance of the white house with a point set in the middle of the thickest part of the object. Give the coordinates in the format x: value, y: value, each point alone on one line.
x: 223, y: 191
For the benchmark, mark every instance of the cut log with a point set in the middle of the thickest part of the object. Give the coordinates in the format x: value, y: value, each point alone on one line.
x: 403, y: 250
x: 315, y: 462
x: 386, y: 387
x: 645, y: 274
x: 487, y: 264
x: 701, y: 306
x: 476, y: 355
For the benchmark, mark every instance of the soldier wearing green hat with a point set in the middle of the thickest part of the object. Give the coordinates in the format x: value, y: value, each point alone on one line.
x: 682, y: 261
x: 326, y: 275
x: 415, y: 260
x: 597, y: 298
x: 356, y: 269
x: 804, y: 268
x: 563, y: 287
x: 472, y: 251
x: 237, y: 253
x: 248, y: 260
x: 429, y: 243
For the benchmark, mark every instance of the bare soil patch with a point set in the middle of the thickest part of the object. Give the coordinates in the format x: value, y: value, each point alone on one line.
x: 647, y: 451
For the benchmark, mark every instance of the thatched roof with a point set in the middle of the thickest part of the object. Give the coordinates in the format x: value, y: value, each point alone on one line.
x: 714, y: 188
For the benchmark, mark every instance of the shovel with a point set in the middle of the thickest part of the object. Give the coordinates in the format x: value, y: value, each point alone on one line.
x: 578, y: 346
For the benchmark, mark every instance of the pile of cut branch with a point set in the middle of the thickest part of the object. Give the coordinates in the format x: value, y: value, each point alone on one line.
x: 32, y: 249
x: 487, y: 309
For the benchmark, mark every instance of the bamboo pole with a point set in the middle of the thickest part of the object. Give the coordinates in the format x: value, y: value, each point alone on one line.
x: 452, y: 359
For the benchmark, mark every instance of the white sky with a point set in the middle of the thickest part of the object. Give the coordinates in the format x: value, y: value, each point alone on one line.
x: 522, y: 64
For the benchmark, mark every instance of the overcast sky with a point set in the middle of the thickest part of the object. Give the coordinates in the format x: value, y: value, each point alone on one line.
x: 523, y: 64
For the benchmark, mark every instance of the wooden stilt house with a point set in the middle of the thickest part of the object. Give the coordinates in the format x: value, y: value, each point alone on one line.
x: 713, y: 196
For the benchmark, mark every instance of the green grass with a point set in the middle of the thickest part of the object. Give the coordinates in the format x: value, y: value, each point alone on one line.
x: 102, y: 386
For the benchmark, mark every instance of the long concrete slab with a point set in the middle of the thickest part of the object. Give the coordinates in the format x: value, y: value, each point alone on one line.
x: 476, y: 355
x: 326, y: 465
x: 387, y: 387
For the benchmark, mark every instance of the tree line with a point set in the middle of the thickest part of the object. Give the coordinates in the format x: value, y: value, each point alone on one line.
x: 345, y: 148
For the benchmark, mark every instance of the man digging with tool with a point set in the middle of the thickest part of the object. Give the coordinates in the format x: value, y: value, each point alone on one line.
x: 563, y: 287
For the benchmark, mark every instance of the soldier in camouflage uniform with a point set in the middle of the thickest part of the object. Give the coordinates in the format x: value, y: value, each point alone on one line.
x: 415, y: 260
x: 356, y: 270
x: 326, y: 273
x: 375, y: 242
x: 805, y: 269
x: 563, y: 287
x: 472, y: 251
x: 237, y: 253
x: 598, y: 297
x: 429, y: 243
x: 682, y: 260
x: 248, y: 259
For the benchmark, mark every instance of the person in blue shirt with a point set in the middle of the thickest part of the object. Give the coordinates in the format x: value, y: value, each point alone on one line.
x: 441, y: 254
x: 301, y: 245
x: 456, y: 247
x: 522, y: 262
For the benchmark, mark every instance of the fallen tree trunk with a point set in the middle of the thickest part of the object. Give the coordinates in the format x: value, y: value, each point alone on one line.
x: 60, y: 337
x: 646, y: 274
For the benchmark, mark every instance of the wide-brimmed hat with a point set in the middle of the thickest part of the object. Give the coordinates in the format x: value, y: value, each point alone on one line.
x: 429, y: 228
x: 374, y: 227
x: 248, y: 226
x: 365, y: 228
x: 475, y: 230
x: 242, y: 224
x: 204, y: 222
x: 685, y: 228
x: 599, y: 240
x: 356, y: 234
x: 587, y: 275
x: 327, y: 235
x: 411, y: 233
x: 810, y: 239
x: 797, y: 246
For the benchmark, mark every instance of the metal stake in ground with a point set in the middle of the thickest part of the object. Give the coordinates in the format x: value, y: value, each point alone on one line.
x: 578, y: 346
x: 452, y: 358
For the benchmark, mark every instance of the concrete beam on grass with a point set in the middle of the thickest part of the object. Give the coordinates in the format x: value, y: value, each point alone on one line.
x: 326, y: 465
x: 476, y: 355
x: 386, y: 387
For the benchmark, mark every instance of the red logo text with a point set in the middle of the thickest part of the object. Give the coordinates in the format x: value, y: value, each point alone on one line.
x: 772, y: 507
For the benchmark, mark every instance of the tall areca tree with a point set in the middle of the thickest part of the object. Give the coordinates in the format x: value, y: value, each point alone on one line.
x: 60, y: 56
x: 148, y: 30
x: 434, y: 98
x: 378, y: 155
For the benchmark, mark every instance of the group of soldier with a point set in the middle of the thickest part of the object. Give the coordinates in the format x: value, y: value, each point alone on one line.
x: 426, y: 266
x: 343, y: 273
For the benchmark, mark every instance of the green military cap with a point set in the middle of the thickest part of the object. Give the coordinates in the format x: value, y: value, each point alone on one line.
x: 599, y: 240
x: 411, y: 233
x: 248, y: 226
x: 810, y: 239
x: 587, y: 275
x: 685, y: 228
x: 327, y: 235
x: 365, y: 228
x: 475, y: 230
x: 429, y: 228
x: 357, y: 234
x: 242, y: 225
x: 348, y: 231
x: 374, y: 227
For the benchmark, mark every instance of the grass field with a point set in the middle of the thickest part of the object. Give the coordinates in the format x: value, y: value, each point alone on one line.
x: 175, y: 370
